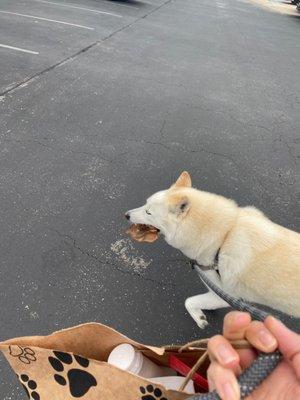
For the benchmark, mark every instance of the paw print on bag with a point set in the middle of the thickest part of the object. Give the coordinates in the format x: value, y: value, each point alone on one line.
x: 151, y: 393
x: 78, y: 380
x: 25, y: 354
x: 30, y: 386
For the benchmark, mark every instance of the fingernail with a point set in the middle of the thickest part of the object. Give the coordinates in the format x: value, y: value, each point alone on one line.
x: 229, y: 391
x: 278, y: 324
x: 241, y: 317
x: 274, y: 320
x: 266, y: 339
x: 225, y: 354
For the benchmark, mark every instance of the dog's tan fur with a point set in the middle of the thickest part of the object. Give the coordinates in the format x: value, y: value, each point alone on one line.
x: 259, y: 260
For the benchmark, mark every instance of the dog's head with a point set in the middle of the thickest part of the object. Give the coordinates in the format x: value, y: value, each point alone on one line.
x: 165, y: 209
x: 191, y: 220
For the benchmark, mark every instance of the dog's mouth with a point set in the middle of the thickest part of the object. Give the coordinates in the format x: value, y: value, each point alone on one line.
x: 143, y: 233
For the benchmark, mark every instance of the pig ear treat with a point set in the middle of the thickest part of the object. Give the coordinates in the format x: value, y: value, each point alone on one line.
x: 143, y: 233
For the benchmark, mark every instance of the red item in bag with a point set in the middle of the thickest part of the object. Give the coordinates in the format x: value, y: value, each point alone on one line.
x: 183, y: 369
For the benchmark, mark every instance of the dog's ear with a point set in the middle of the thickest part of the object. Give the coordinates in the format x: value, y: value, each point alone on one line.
x: 184, y: 180
x: 179, y: 205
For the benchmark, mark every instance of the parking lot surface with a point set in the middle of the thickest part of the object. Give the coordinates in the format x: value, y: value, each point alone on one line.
x: 102, y: 104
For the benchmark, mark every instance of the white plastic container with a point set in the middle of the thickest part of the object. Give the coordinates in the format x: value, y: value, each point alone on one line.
x: 174, y: 383
x: 128, y: 358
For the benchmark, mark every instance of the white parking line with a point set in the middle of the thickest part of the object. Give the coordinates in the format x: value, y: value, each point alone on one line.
x: 46, y: 19
x: 80, y: 8
x: 5, y: 46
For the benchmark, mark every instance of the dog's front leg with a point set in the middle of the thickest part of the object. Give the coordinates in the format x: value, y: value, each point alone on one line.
x: 206, y: 301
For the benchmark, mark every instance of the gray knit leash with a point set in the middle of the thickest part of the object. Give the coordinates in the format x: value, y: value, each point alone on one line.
x: 264, y: 363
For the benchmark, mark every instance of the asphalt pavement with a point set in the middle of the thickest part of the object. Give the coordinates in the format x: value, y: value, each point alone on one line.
x: 102, y: 104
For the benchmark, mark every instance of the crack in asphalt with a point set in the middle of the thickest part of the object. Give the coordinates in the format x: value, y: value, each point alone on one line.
x: 34, y: 77
x: 243, y: 123
x: 114, y: 265
x: 281, y: 139
x: 162, y: 129
x: 185, y: 150
x: 225, y: 156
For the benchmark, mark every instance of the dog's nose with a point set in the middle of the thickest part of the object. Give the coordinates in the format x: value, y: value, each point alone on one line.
x: 127, y: 216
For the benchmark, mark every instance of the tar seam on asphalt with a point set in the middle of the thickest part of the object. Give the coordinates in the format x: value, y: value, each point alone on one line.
x: 73, y: 56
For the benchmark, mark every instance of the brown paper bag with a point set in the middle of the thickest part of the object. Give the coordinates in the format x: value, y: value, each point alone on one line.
x: 71, y: 364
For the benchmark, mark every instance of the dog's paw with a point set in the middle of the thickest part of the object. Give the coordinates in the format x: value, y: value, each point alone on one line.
x: 201, y: 321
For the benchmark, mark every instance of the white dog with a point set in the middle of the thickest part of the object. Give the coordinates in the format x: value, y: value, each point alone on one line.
x: 256, y: 258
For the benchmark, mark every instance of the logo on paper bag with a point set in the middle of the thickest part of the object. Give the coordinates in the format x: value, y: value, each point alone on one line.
x: 151, y: 393
x: 25, y: 354
x: 78, y: 379
x: 30, y: 387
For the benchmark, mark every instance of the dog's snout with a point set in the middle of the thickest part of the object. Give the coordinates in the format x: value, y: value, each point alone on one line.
x: 127, y: 216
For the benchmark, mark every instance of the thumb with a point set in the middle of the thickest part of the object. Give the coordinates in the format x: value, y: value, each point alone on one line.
x: 288, y: 342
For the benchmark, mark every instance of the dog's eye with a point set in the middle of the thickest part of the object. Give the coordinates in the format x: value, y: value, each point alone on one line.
x: 148, y: 212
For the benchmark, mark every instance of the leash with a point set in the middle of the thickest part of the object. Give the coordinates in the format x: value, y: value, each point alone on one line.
x: 263, y: 365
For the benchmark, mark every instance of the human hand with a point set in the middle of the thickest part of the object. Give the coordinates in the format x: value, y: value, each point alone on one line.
x: 227, y: 363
